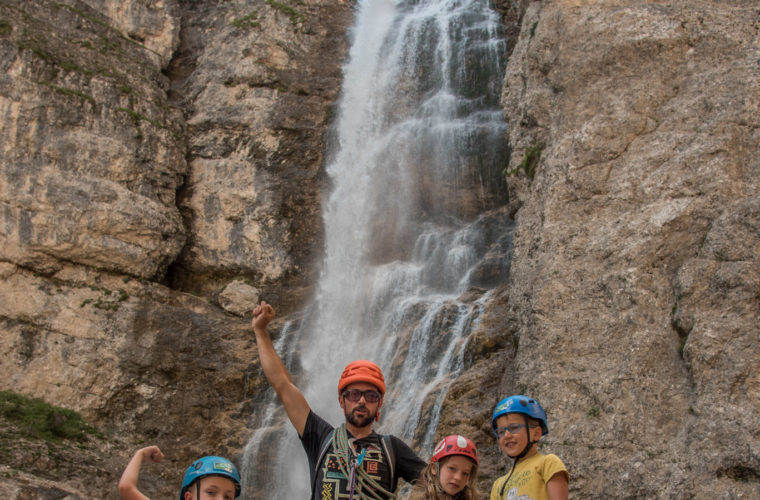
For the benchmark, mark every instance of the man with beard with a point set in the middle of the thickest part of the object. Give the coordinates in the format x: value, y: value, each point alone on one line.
x: 351, y: 461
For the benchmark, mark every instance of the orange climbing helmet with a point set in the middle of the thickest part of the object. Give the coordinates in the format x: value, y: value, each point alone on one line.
x: 362, y: 371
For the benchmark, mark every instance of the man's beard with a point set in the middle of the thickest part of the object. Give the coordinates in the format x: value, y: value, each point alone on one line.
x: 360, y: 421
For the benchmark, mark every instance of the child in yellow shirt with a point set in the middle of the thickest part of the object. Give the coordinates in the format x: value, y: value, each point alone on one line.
x: 519, y: 422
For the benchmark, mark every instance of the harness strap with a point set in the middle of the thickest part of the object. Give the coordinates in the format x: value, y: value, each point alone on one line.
x: 320, y: 458
x: 365, y: 486
x: 385, y: 440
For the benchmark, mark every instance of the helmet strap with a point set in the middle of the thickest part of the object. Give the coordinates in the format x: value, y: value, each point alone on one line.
x: 525, y: 450
x: 530, y: 443
x: 504, y: 485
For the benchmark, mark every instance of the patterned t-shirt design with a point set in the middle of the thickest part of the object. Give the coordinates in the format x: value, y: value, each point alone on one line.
x: 335, y: 484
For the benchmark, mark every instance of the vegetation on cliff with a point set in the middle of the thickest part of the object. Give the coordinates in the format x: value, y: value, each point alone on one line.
x: 34, y: 418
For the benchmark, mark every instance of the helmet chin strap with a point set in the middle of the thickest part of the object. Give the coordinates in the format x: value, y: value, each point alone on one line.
x: 530, y: 443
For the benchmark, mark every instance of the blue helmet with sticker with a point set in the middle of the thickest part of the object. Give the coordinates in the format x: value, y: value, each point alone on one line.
x: 210, y: 466
x: 521, y: 404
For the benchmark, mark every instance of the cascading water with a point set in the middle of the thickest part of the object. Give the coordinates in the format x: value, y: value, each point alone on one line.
x: 413, y: 243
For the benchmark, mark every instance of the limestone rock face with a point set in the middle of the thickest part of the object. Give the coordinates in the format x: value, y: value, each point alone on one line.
x: 92, y: 155
x: 138, y: 360
x: 239, y: 298
x: 634, y: 294
x: 256, y: 82
x: 161, y: 165
x: 153, y: 24
x: 149, y: 149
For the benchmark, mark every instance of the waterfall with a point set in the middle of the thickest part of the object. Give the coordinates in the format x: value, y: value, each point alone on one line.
x: 413, y: 241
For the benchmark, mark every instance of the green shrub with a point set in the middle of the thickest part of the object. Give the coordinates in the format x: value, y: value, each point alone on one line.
x: 249, y: 21
x: 294, y: 16
x: 529, y: 161
x: 533, y: 29
x: 38, y: 419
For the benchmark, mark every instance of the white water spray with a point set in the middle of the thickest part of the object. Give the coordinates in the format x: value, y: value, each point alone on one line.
x: 419, y: 147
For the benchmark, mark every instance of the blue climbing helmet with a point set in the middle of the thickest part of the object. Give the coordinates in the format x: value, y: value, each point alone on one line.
x: 210, y: 466
x: 520, y: 404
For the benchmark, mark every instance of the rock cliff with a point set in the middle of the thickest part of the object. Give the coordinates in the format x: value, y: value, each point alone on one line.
x: 161, y: 167
x: 636, y: 271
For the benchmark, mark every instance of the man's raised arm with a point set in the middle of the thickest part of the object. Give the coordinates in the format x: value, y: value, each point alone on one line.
x: 275, y: 371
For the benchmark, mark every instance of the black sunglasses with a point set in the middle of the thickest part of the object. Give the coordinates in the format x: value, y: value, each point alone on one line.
x: 355, y: 395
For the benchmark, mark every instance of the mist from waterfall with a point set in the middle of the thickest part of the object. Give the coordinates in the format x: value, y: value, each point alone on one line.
x: 415, y: 160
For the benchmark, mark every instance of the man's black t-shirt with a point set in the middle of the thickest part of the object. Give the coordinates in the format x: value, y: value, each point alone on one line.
x: 332, y: 484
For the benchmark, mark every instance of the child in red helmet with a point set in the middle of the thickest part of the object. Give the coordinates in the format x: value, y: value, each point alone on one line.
x: 452, y: 472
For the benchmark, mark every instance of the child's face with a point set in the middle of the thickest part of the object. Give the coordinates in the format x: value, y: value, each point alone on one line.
x: 213, y: 488
x: 454, y: 472
x: 514, y: 444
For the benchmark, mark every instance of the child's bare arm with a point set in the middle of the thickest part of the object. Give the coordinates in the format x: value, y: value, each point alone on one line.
x: 557, y: 486
x: 128, y: 482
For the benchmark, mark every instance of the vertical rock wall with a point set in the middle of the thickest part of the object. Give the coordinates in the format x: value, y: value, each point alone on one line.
x: 635, y: 183
x: 256, y: 82
x: 92, y: 155
x: 151, y: 154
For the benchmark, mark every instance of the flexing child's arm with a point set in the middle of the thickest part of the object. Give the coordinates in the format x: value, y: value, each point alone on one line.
x: 557, y: 486
x: 128, y: 482
x: 275, y: 371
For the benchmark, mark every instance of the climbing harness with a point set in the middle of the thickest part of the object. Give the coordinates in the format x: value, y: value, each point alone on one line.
x: 360, y: 483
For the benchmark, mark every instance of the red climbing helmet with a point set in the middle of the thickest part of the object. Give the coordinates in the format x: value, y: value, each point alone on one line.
x: 455, y: 445
x: 362, y: 371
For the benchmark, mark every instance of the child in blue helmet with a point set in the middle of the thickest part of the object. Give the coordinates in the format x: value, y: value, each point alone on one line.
x: 208, y: 478
x: 519, y: 422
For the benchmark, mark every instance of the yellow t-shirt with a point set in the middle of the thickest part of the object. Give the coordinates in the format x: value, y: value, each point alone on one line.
x: 528, y: 482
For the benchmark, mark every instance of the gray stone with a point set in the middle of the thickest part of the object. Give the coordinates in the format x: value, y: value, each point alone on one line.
x: 239, y: 298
